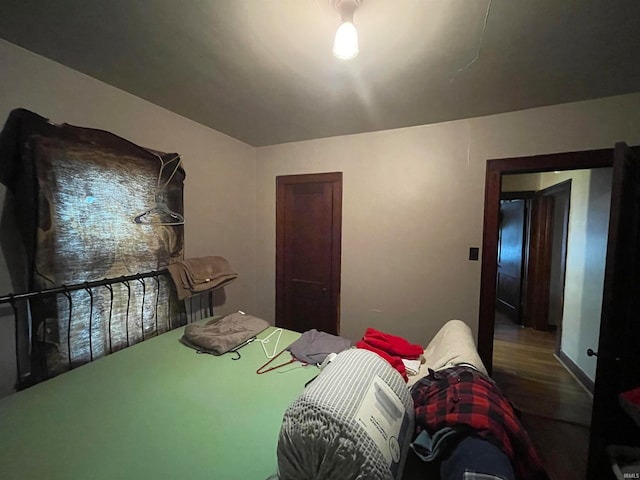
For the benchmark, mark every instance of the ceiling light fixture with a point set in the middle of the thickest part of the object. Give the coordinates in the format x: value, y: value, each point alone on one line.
x: 345, y: 45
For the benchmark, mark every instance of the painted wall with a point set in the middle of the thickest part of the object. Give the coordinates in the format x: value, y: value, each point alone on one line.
x: 586, y: 259
x: 413, y: 197
x: 528, y: 182
x: 413, y: 205
x: 219, y: 198
x: 218, y: 194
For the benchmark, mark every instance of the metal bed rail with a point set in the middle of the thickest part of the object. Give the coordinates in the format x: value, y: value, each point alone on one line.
x: 93, y: 319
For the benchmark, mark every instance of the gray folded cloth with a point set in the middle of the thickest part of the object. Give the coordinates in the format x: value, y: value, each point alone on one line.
x: 196, y: 275
x: 218, y: 336
x: 313, y: 346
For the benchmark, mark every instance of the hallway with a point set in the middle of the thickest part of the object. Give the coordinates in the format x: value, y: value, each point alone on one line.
x: 554, y: 407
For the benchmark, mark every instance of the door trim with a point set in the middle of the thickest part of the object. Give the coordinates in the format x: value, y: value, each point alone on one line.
x: 618, y: 359
x: 493, y: 184
x: 336, y: 240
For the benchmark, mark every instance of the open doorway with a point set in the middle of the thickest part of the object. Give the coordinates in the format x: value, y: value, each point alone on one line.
x: 550, y: 379
x: 533, y: 238
x: 539, y: 302
x: 616, y: 354
x: 564, y: 228
x: 496, y: 169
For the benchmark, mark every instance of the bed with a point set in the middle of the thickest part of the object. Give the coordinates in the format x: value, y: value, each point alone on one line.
x: 160, y: 410
x: 463, y: 423
x: 154, y: 410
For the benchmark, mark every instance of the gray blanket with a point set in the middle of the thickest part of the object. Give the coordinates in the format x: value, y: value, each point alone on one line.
x: 353, y: 422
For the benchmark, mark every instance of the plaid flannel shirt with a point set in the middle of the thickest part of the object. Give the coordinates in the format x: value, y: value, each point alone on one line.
x: 463, y: 397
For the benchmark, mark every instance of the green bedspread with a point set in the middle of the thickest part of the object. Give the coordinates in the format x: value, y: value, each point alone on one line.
x: 156, y: 410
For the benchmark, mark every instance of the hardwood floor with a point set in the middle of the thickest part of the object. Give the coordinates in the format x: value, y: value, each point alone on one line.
x: 555, y: 409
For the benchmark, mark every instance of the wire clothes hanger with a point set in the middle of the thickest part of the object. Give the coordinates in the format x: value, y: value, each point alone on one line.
x: 237, y: 349
x: 273, y: 355
x: 264, y: 341
x: 262, y: 370
x: 160, y: 213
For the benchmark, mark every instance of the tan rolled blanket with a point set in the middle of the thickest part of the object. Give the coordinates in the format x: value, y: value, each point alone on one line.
x: 196, y: 275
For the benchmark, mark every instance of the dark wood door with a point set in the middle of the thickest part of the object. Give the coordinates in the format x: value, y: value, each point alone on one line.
x: 308, y: 246
x: 618, y: 367
x: 539, y: 270
x: 510, y: 258
x: 559, y: 240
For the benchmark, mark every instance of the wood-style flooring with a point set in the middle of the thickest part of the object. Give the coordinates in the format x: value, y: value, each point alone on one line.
x: 554, y: 408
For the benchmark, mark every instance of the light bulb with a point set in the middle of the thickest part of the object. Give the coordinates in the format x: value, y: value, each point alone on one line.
x: 345, y: 45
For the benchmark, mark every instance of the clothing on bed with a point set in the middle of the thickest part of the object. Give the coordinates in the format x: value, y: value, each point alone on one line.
x: 195, y: 275
x: 429, y: 447
x: 391, y: 344
x: 390, y: 347
x: 453, y: 344
x: 353, y: 422
x: 219, y: 336
x: 463, y: 398
x: 314, y: 346
x: 474, y: 458
x: 412, y: 366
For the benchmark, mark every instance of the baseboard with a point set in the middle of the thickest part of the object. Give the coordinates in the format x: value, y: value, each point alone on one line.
x: 575, y: 371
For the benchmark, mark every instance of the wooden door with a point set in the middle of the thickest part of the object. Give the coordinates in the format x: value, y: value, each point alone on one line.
x: 539, y: 271
x: 560, y: 238
x: 510, y: 258
x: 543, y: 283
x: 308, y: 246
x: 618, y: 367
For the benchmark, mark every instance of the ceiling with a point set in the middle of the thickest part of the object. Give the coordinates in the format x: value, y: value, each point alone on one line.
x: 262, y: 71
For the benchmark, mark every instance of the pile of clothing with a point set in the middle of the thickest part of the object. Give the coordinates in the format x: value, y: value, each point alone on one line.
x: 395, y: 350
x: 197, y: 275
x: 464, y: 425
x: 464, y: 420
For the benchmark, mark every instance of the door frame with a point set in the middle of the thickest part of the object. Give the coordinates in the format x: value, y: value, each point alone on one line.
x: 336, y: 238
x: 493, y: 185
x: 618, y: 359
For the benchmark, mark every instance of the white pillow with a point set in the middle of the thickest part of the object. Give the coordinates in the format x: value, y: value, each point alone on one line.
x: 452, y: 345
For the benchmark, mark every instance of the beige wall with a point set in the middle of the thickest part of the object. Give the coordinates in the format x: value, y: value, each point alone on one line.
x: 528, y: 182
x: 413, y: 197
x: 586, y: 258
x: 219, y: 195
x: 413, y: 205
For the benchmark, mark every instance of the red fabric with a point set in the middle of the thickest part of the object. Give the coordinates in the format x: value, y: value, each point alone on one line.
x: 396, y: 362
x: 391, y: 344
x: 632, y: 396
x: 390, y: 347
